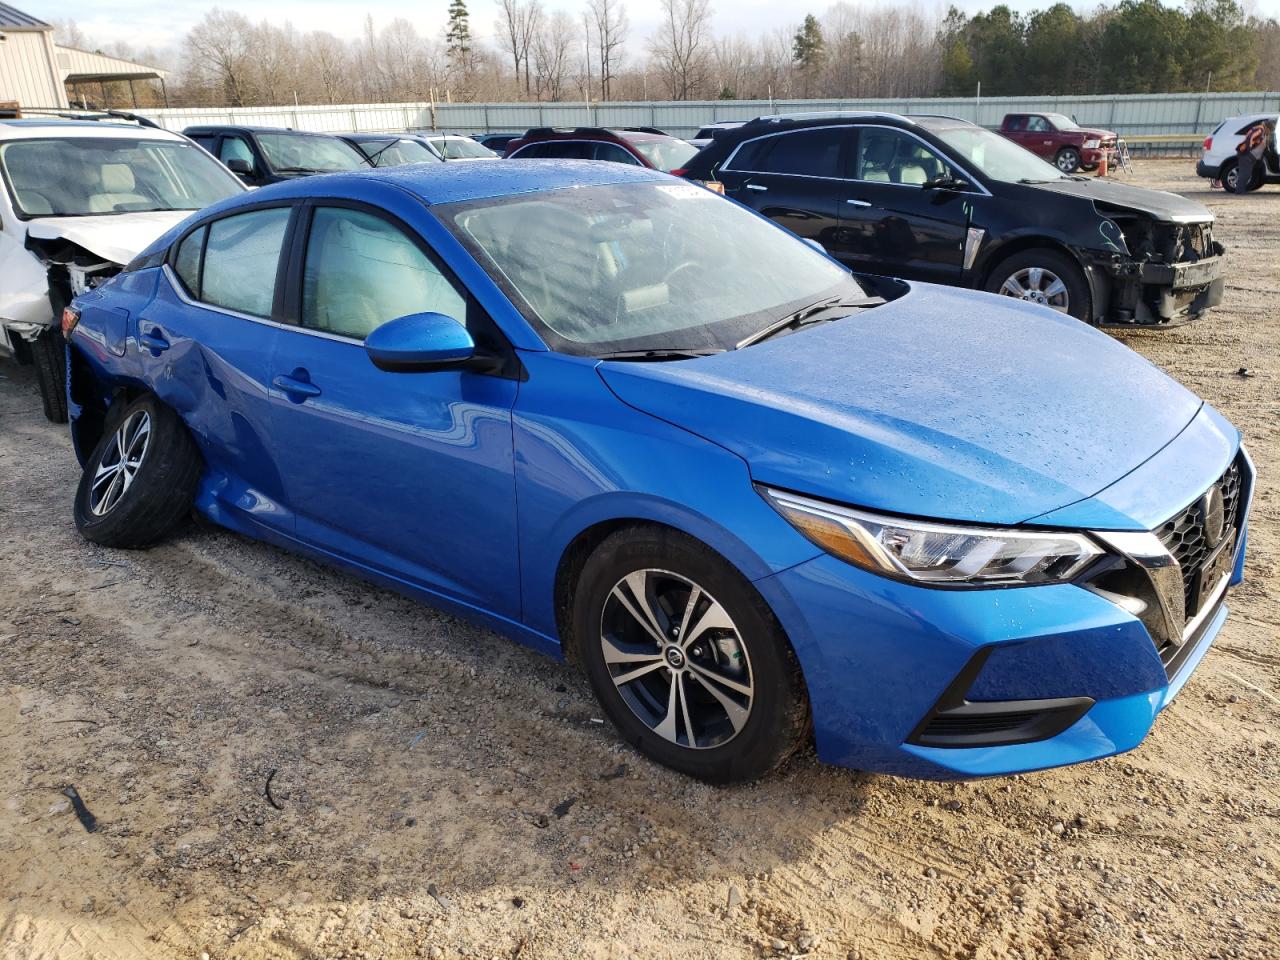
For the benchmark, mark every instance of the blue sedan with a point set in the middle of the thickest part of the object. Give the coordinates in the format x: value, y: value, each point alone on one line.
x: 755, y: 498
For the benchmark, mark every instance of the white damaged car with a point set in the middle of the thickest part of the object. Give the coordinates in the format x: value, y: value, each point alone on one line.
x: 81, y: 198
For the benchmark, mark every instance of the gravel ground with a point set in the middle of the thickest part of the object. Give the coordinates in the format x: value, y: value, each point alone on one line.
x: 286, y: 763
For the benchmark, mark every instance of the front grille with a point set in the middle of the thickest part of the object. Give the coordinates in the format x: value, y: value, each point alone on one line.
x: 976, y: 724
x: 1184, y: 537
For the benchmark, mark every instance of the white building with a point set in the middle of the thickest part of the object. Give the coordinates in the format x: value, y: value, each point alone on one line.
x: 35, y: 72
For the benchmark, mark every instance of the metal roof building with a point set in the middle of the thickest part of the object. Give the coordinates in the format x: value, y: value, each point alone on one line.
x: 36, y: 72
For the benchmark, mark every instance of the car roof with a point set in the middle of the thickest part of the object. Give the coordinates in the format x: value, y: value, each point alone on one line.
x: 223, y: 127
x: 40, y: 128
x: 437, y: 183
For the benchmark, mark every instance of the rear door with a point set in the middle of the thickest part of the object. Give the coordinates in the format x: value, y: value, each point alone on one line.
x: 795, y: 179
x: 408, y: 474
x: 205, y: 345
x: 891, y: 222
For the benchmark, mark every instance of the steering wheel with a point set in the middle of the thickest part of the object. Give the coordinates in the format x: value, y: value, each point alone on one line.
x: 680, y: 268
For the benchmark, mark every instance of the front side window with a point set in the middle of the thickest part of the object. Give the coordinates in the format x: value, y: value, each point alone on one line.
x: 1038, y: 125
x: 241, y: 259
x: 302, y: 153
x: 93, y: 176
x: 362, y: 272
x: 640, y: 266
x: 885, y: 155
x: 235, y: 148
x: 810, y: 153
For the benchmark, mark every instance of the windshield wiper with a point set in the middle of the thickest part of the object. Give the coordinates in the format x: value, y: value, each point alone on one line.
x: 674, y: 353
x: 300, y: 170
x: 814, y: 313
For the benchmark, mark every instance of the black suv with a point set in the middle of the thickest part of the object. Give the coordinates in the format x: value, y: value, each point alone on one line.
x: 262, y: 155
x: 939, y: 199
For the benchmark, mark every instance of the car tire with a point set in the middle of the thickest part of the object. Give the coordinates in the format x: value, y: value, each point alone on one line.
x: 1228, y: 172
x: 1019, y: 270
x: 1067, y: 160
x: 737, y: 684
x: 119, y: 505
x: 49, y: 356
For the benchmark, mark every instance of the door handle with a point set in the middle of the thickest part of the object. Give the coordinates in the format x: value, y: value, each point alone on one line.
x: 859, y: 203
x: 154, y: 340
x: 297, y: 390
x: 756, y: 186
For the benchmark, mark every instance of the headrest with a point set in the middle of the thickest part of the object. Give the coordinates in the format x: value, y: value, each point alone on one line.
x: 117, y: 178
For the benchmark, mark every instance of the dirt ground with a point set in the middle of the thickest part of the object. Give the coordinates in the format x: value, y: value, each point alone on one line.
x: 435, y: 791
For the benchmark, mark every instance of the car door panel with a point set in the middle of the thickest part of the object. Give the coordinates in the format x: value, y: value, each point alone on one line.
x: 902, y: 228
x: 393, y: 471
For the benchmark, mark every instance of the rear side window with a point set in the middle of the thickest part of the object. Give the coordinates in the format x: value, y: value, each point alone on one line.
x: 241, y: 259
x: 810, y: 153
x: 186, y: 264
x: 1016, y: 123
x: 206, y: 142
x: 614, y: 154
x: 561, y: 150
x: 362, y: 272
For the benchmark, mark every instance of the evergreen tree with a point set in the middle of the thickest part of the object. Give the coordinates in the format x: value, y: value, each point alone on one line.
x: 457, y: 37
x: 809, y: 52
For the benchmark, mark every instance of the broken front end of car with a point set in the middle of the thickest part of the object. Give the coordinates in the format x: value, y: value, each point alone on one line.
x: 1154, y: 273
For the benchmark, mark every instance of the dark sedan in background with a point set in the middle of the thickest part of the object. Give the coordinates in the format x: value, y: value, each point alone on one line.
x: 939, y: 199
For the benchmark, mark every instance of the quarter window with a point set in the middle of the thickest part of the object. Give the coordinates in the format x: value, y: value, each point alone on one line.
x: 241, y: 259
x: 362, y: 272
x: 187, y: 262
x: 890, y: 156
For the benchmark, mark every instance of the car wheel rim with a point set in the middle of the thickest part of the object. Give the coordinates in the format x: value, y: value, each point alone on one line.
x: 677, y: 659
x: 1067, y: 162
x: 1038, y: 285
x: 120, y: 463
x: 1231, y: 180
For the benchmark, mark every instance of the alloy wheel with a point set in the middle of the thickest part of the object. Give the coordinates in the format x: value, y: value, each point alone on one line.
x: 1068, y: 162
x: 120, y: 462
x: 677, y: 659
x: 1038, y: 285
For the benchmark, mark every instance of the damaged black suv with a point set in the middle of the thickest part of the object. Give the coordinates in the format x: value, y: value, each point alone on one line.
x: 944, y: 200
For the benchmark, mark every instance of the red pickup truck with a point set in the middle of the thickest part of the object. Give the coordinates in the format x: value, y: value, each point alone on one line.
x: 1060, y: 140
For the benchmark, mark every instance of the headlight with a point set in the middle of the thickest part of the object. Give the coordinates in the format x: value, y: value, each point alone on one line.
x: 936, y: 553
x: 1092, y: 144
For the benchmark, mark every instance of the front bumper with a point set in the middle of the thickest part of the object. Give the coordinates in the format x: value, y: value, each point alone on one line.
x: 884, y: 659
x: 1148, y: 294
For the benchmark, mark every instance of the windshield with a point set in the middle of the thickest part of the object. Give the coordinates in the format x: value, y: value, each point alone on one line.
x: 642, y: 266
x: 666, y: 155
x: 998, y: 158
x: 301, y: 153
x: 461, y: 148
x: 395, y: 153
x: 95, y: 176
x: 1061, y: 122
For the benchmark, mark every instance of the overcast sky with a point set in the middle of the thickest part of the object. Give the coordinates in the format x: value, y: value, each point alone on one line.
x: 151, y: 24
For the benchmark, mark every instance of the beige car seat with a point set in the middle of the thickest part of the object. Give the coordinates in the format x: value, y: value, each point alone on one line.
x: 118, y: 187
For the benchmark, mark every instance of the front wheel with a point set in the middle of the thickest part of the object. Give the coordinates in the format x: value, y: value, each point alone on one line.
x: 49, y: 356
x: 1046, y: 277
x: 686, y: 658
x: 140, y: 481
x: 1068, y: 160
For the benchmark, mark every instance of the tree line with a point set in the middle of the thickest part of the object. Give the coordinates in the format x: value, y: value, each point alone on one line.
x: 878, y: 50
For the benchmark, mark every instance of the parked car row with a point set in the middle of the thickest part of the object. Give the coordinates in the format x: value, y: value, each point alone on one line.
x: 733, y: 459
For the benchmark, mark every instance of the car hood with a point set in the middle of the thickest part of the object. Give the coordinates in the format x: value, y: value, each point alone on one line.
x: 117, y: 237
x: 1089, y: 133
x: 1168, y: 207
x: 943, y: 403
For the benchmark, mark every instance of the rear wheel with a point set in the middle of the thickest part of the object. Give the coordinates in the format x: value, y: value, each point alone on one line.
x: 1046, y: 277
x: 49, y: 356
x: 1229, y: 174
x: 686, y: 658
x: 140, y: 481
x: 1067, y: 160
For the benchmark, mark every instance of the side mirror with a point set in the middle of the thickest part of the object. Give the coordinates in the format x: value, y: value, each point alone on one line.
x: 240, y: 167
x: 945, y: 182
x: 418, y: 343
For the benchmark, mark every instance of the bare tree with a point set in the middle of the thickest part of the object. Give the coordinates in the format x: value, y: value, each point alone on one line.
x: 219, y: 58
x: 327, y: 65
x: 517, y: 30
x: 612, y: 26
x: 679, y: 48
x: 552, y: 54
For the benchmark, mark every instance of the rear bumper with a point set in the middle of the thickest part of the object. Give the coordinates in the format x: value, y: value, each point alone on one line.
x: 1207, y: 170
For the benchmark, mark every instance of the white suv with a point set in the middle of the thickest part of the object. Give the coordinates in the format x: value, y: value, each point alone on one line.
x: 81, y: 198
x: 1218, y: 162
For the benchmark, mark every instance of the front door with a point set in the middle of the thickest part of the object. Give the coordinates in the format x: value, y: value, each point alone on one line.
x: 793, y: 179
x: 407, y: 474
x: 892, y: 222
